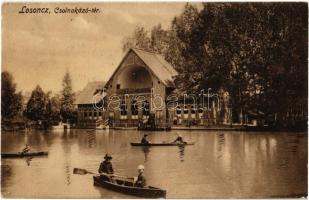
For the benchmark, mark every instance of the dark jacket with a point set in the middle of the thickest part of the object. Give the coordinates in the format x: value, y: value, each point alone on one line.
x: 25, y: 150
x: 179, y: 139
x: 106, y: 167
x: 144, y: 141
x: 141, y: 181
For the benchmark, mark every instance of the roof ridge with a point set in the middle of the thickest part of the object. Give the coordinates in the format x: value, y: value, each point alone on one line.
x: 146, y: 51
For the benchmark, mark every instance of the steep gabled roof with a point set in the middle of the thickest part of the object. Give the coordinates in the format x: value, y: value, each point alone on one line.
x: 86, y: 95
x: 156, y: 63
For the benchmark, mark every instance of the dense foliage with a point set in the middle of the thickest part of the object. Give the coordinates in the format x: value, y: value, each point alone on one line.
x: 67, y: 99
x: 11, y: 101
x: 257, y: 52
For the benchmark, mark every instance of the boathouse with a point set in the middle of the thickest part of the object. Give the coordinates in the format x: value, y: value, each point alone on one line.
x: 139, y: 91
x: 89, y: 101
x: 138, y: 88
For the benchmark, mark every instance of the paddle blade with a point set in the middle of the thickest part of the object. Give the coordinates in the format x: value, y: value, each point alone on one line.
x: 81, y: 171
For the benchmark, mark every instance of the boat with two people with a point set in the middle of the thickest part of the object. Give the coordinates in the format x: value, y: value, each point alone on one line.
x: 177, y: 142
x: 135, y: 186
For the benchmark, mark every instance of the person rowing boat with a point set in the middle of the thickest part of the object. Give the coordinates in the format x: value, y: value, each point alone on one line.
x: 106, y: 167
x: 26, y: 149
x: 141, y: 180
x: 179, y: 139
x: 144, y: 140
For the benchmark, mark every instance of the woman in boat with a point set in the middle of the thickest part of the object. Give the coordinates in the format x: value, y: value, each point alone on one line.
x: 141, y: 180
x: 26, y: 149
x: 106, y: 166
x: 144, y: 139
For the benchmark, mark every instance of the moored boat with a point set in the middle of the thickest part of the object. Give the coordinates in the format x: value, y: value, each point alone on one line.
x: 20, y: 155
x: 127, y: 187
x: 162, y: 144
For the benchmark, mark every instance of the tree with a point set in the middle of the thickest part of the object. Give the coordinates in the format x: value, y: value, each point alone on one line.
x: 257, y: 52
x: 36, y: 106
x: 140, y: 39
x: 263, y: 67
x: 54, y: 108
x: 67, y: 99
x: 11, y: 102
x: 52, y: 114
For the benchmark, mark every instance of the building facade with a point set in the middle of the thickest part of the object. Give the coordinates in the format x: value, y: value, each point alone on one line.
x: 139, y: 90
x: 89, y: 114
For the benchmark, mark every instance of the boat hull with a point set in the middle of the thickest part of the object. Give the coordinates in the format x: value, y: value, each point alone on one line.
x: 20, y: 155
x: 126, y: 187
x: 161, y: 144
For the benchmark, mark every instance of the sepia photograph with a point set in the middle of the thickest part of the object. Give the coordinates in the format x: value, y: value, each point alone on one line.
x: 138, y: 100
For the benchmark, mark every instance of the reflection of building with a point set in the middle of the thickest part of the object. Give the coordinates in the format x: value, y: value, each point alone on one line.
x: 87, y: 113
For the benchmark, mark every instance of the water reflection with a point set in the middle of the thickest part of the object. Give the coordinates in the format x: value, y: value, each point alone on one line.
x: 290, y: 148
x: 68, y: 174
x: 91, y: 138
x: 28, y: 160
x: 181, y: 152
x: 6, y: 171
x: 220, y: 142
x: 221, y: 164
x: 146, y: 150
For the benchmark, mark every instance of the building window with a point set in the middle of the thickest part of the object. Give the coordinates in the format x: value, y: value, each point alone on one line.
x: 193, y: 111
x: 118, y: 86
x: 90, y: 114
x: 134, y: 109
x: 185, y: 112
x: 158, y: 82
x: 146, y: 108
x: 200, y: 112
x: 178, y: 111
x: 123, y: 110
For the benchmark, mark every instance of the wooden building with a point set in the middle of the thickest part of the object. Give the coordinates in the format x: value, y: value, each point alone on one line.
x: 138, y: 91
x: 89, y: 105
x: 138, y: 87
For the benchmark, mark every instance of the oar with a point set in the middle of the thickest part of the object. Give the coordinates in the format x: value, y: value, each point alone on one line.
x: 81, y: 171
x: 84, y: 171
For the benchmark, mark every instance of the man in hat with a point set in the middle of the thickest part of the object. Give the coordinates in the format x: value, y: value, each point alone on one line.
x: 106, y: 166
x: 144, y: 139
x: 141, y: 180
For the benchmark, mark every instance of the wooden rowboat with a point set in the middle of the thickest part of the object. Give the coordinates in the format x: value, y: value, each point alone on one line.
x: 162, y: 144
x: 21, y: 155
x: 127, y: 187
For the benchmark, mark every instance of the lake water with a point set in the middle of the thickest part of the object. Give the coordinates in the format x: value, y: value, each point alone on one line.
x: 220, y: 164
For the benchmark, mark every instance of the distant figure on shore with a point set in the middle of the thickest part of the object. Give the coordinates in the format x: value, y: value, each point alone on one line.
x: 26, y: 149
x: 141, y: 180
x: 106, y: 166
x: 144, y: 139
x: 179, y: 139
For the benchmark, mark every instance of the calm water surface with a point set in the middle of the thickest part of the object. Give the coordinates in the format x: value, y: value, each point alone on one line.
x: 220, y: 164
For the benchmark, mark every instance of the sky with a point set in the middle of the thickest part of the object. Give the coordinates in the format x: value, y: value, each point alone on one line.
x: 39, y: 48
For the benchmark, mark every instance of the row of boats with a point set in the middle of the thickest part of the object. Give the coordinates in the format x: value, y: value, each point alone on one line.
x: 45, y: 153
x: 119, y: 183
